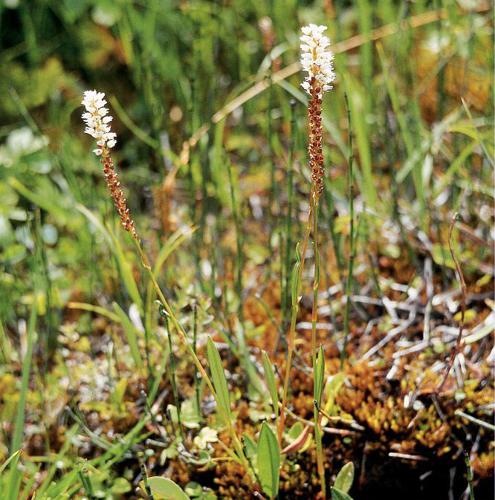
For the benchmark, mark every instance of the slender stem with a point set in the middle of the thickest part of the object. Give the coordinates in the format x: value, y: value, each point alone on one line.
x: 460, y: 276
x: 350, y: 269
x: 195, y: 343
x: 183, y: 337
x: 173, y: 380
x: 291, y: 338
x: 314, y: 321
x: 469, y: 474
x: 238, y: 235
x: 288, y: 221
x: 316, y: 281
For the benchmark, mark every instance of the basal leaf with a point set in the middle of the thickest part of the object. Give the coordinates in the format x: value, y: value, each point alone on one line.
x: 345, y: 477
x: 268, y: 461
x: 339, y: 495
x: 162, y: 487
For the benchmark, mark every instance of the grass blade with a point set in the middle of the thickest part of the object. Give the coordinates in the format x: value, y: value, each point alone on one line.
x: 131, y: 334
x: 218, y: 378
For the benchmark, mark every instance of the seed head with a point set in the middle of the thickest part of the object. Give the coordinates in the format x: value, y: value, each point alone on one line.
x: 97, y: 120
x: 316, y: 59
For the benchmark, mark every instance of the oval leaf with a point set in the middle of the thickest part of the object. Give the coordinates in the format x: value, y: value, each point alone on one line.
x: 162, y: 487
x: 339, y: 495
x: 345, y: 477
x: 268, y: 461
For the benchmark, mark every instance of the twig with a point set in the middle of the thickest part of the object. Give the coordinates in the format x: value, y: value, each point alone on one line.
x: 460, y: 277
x: 407, y: 456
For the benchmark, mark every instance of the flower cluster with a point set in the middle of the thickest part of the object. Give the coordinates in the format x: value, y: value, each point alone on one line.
x: 316, y: 59
x: 97, y: 120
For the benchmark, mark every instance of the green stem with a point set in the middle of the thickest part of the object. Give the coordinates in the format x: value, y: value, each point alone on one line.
x: 350, y: 269
x: 238, y: 235
x: 469, y: 473
x: 183, y: 338
x: 290, y: 202
x: 173, y: 380
x: 196, y: 375
x: 292, y: 330
x: 314, y: 321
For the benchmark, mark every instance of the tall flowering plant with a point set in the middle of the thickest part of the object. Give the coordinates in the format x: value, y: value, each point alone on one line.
x: 317, y: 63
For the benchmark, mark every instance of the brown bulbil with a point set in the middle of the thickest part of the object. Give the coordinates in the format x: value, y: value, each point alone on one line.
x: 117, y: 194
x: 315, y: 149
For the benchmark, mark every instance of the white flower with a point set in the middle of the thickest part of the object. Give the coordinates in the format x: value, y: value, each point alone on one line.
x: 316, y: 58
x: 205, y: 436
x: 97, y: 120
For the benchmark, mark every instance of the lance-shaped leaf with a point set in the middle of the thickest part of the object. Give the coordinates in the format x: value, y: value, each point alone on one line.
x: 270, y: 381
x: 319, y: 376
x: 219, y: 380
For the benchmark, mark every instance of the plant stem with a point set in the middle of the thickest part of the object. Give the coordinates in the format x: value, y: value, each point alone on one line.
x: 314, y: 321
x: 196, y: 375
x: 316, y: 280
x: 469, y: 474
x: 290, y: 201
x: 350, y: 269
x: 238, y: 235
x: 183, y: 338
x: 292, y: 329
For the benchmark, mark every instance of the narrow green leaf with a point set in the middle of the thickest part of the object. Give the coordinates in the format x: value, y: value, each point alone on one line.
x: 17, y: 437
x: 357, y: 103
x: 218, y: 378
x: 295, y: 284
x: 340, y: 495
x: 7, y: 462
x: 131, y: 334
x: 174, y: 241
x: 125, y: 267
x: 162, y: 487
x: 319, y: 375
x: 345, y: 477
x: 268, y: 461
x: 270, y: 381
x: 249, y: 447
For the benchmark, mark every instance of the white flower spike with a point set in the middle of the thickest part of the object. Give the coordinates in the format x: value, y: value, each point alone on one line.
x: 97, y: 120
x: 316, y: 59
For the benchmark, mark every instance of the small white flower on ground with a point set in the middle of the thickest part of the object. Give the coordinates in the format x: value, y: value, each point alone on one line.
x: 205, y: 436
